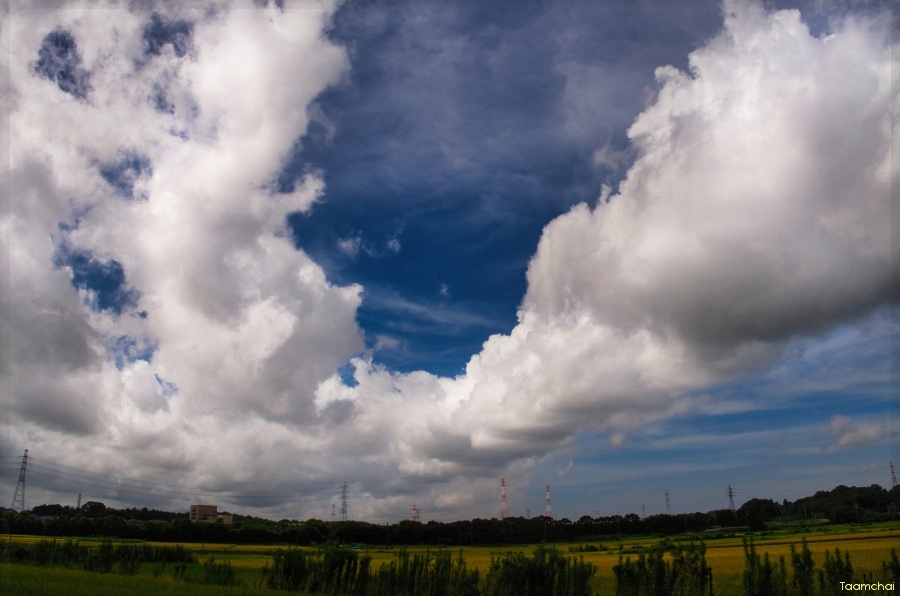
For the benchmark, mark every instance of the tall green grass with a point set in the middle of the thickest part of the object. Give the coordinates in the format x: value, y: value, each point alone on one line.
x: 762, y: 577
x: 343, y: 571
x: 687, y: 574
x: 29, y: 580
x: 103, y: 558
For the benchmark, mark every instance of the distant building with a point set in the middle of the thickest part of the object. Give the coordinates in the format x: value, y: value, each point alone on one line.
x: 204, y: 513
x: 226, y: 518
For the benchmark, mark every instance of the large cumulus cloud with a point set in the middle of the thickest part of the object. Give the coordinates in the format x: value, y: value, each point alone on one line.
x: 757, y: 213
x: 145, y: 152
x: 155, y: 170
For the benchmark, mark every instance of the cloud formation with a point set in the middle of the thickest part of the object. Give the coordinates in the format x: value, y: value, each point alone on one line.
x: 146, y: 151
x: 757, y: 213
x: 144, y: 154
x: 850, y: 433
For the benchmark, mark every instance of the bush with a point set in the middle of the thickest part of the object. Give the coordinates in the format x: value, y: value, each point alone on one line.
x: 289, y: 570
x: 101, y: 559
x: 336, y: 571
x: 835, y: 570
x: 426, y: 574
x: 804, y: 569
x: 652, y: 575
x: 178, y: 571
x: 891, y: 567
x: 546, y: 573
x: 343, y: 571
x: 762, y: 578
x: 218, y: 574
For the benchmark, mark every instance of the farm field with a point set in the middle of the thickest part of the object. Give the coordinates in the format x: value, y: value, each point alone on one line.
x: 868, y: 547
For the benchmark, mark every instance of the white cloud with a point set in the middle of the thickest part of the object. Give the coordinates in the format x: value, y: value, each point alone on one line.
x: 758, y: 210
x: 241, y: 323
x: 387, y: 342
x: 850, y: 433
x: 350, y: 246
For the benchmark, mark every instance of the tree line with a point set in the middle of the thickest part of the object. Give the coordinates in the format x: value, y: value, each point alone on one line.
x: 840, y: 505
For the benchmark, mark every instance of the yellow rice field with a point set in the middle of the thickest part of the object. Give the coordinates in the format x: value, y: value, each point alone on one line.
x: 868, y: 548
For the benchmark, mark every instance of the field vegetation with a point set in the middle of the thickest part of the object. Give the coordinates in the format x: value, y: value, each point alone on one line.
x: 781, y: 561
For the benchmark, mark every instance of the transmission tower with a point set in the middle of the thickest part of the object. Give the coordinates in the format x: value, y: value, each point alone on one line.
x: 549, y: 512
x: 730, y: 498
x: 668, y: 506
x: 344, y: 501
x: 416, y: 513
x: 332, y: 511
x: 893, y: 474
x: 504, y: 512
x: 19, y: 496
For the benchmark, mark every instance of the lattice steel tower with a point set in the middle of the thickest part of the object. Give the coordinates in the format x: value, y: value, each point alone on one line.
x: 344, y: 493
x: 893, y: 474
x: 504, y: 512
x: 668, y: 506
x: 549, y: 508
x: 730, y: 498
x: 19, y: 496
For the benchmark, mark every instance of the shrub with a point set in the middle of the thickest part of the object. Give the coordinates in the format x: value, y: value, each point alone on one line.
x: 101, y: 559
x: 218, y: 574
x: 426, y: 574
x: 652, y: 575
x: 835, y: 570
x: 762, y: 578
x: 178, y: 571
x: 891, y: 567
x: 546, y: 573
x: 336, y: 571
x: 804, y: 569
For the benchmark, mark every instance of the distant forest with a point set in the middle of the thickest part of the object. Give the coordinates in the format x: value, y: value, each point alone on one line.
x: 844, y: 504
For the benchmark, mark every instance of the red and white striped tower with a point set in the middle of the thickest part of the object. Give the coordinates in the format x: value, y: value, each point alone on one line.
x: 504, y: 512
x: 416, y: 513
x: 549, y: 512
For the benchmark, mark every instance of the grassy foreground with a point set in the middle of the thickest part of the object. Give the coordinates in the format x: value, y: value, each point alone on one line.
x: 868, y: 546
x: 25, y: 580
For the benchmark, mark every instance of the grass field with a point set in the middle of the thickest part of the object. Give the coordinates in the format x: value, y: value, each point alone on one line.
x: 25, y: 580
x: 868, y: 547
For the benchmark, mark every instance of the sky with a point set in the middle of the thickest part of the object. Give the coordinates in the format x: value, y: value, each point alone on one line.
x: 254, y: 250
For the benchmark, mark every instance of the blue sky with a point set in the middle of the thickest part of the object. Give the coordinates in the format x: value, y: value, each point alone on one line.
x: 458, y: 138
x: 616, y: 247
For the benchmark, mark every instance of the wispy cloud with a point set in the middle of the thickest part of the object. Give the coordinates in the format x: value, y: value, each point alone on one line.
x: 435, y: 315
x: 847, y: 432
